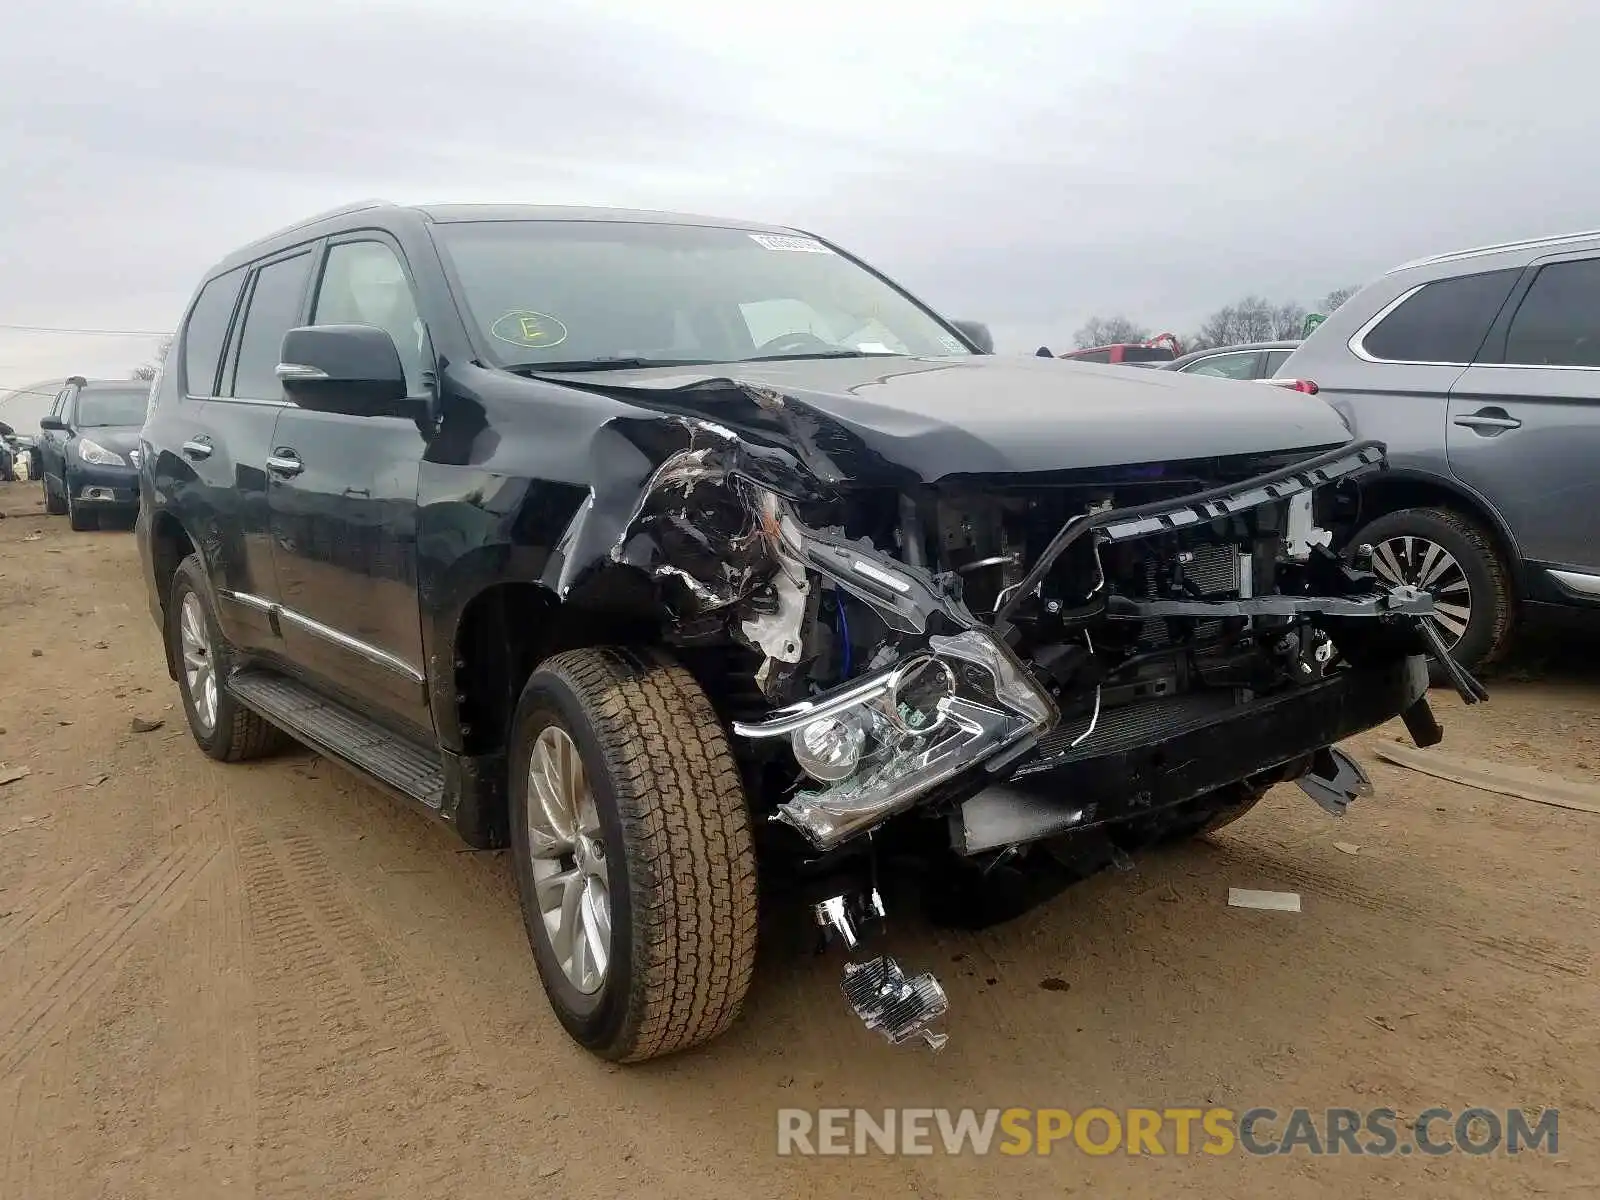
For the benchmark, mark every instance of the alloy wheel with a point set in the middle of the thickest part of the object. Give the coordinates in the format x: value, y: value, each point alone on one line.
x: 199, y: 665
x: 567, y: 851
x: 1429, y: 567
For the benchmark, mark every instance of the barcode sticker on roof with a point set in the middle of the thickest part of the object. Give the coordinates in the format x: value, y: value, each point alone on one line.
x: 782, y: 241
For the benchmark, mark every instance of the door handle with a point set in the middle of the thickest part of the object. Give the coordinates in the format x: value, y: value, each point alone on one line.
x: 285, y: 463
x: 197, y: 448
x: 1489, y: 418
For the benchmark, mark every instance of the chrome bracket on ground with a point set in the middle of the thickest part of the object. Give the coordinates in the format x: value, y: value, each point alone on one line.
x: 898, y: 1006
x: 843, y: 916
x: 1334, y: 780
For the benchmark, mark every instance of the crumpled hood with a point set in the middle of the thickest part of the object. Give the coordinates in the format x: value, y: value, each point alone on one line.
x: 986, y: 414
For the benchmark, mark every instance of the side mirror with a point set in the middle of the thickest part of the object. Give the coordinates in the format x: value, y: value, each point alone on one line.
x: 349, y: 369
x: 978, y: 334
x: 53, y: 424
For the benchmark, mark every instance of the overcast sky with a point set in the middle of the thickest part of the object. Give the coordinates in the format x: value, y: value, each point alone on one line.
x: 1029, y: 164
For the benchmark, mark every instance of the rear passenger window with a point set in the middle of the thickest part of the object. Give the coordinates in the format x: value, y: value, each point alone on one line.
x: 1227, y: 366
x: 275, y: 304
x: 1445, y: 322
x: 1558, y: 322
x: 207, y: 330
x: 1275, y: 359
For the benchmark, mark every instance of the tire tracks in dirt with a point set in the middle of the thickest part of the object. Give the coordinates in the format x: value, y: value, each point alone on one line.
x: 336, y: 1016
x: 54, y: 998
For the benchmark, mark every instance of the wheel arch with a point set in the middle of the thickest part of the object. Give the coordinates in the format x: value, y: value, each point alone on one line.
x: 1395, y: 490
x: 170, y: 544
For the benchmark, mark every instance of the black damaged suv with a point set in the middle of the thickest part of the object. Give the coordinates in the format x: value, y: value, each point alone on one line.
x: 674, y: 553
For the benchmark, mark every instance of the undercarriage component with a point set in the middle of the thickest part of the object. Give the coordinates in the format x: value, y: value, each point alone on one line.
x: 844, y: 916
x: 898, y: 1006
x: 1471, y: 691
x: 1334, y: 780
x: 1401, y: 600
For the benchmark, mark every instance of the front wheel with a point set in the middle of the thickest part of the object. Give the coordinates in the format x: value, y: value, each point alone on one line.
x: 54, y: 504
x: 1455, y: 561
x: 78, y: 518
x: 633, y: 854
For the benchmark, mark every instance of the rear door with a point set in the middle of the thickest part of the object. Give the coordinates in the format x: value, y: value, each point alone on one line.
x: 1524, y: 420
x: 232, y: 440
x: 343, y: 500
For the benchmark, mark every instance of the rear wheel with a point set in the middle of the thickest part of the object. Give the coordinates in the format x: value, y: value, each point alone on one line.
x: 633, y: 855
x: 225, y: 729
x: 1455, y: 561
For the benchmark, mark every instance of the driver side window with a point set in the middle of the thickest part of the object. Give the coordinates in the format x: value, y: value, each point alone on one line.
x: 363, y: 283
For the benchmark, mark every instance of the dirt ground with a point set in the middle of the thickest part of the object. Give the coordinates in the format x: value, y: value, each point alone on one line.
x: 272, y: 980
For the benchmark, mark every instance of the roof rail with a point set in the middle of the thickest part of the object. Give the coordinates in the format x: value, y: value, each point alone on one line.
x: 343, y: 210
x: 1478, y: 251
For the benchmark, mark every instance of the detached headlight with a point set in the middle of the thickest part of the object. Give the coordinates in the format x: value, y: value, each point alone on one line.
x: 93, y: 452
x: 883, y: 742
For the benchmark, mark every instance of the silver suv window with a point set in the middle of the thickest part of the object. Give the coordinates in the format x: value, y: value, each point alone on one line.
x: 1441, y: 322
x: 1558, y: 322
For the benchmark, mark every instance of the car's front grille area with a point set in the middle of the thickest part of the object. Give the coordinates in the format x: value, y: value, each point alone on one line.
x: 1214, y: 571
x: 1124, y: 728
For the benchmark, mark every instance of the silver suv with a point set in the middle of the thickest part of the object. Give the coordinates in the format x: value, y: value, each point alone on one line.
x: 1481, y: 372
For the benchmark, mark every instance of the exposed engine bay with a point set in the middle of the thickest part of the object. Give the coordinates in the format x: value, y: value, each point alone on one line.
x: 948, y: 651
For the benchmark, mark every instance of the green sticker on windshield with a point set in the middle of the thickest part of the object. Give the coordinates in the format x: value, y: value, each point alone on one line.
x: 533, y: 330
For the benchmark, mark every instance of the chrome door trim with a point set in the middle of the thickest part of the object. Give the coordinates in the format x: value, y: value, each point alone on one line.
x: 366, y: 650
x: 1578, y: 581
x: 259, y: 603
x: 355, y: 645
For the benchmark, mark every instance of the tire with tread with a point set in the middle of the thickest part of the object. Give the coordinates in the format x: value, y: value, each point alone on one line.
x: 55, y: 505
x: 240, y: 733
x: 81, y: 520
x: 1488, y: 632
x: 678, y: 847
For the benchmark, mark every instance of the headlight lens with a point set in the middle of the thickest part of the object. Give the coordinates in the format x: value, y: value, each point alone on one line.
x: 829, y: 748
x: 93, y: 452
x: 880, y: 744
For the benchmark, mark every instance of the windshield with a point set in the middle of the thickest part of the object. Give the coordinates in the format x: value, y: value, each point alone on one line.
x: 114, y: 406
x: 548, y: 293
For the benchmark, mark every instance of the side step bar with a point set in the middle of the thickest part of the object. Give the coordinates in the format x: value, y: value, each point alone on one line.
x: 335, y: 730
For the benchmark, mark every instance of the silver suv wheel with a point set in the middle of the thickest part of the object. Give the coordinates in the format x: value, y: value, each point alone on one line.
x: 569, y: 860
x: 1433, y: 569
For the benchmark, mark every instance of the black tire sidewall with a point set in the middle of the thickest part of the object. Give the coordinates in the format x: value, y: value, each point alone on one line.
x: 1476, y: 642
x: 184, y: 581
x: 595, y: 1021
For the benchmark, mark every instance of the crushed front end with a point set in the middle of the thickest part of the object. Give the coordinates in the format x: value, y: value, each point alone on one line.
x: 1000, y: 666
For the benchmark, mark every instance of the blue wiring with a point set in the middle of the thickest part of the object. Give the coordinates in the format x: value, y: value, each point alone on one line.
x: 844, y: 632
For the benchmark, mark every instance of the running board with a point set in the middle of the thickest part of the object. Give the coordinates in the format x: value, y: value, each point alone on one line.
x: 335, y: 730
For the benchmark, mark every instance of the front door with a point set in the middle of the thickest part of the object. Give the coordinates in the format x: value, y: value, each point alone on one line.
x: 1524, y: 420
x: 343, y: 501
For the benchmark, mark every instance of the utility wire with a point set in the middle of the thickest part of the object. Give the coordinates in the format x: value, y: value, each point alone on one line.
x: 143, y: 333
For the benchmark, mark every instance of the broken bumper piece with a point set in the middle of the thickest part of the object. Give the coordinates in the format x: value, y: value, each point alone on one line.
x: 898, y: 1006
x: 885, y: 742
x: 1168, y: 753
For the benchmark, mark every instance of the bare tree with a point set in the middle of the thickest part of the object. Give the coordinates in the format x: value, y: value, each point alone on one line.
x: 1335, y: 298
x: 1253, y: 319
x: 1108, y: 331
x: 149, y: 369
